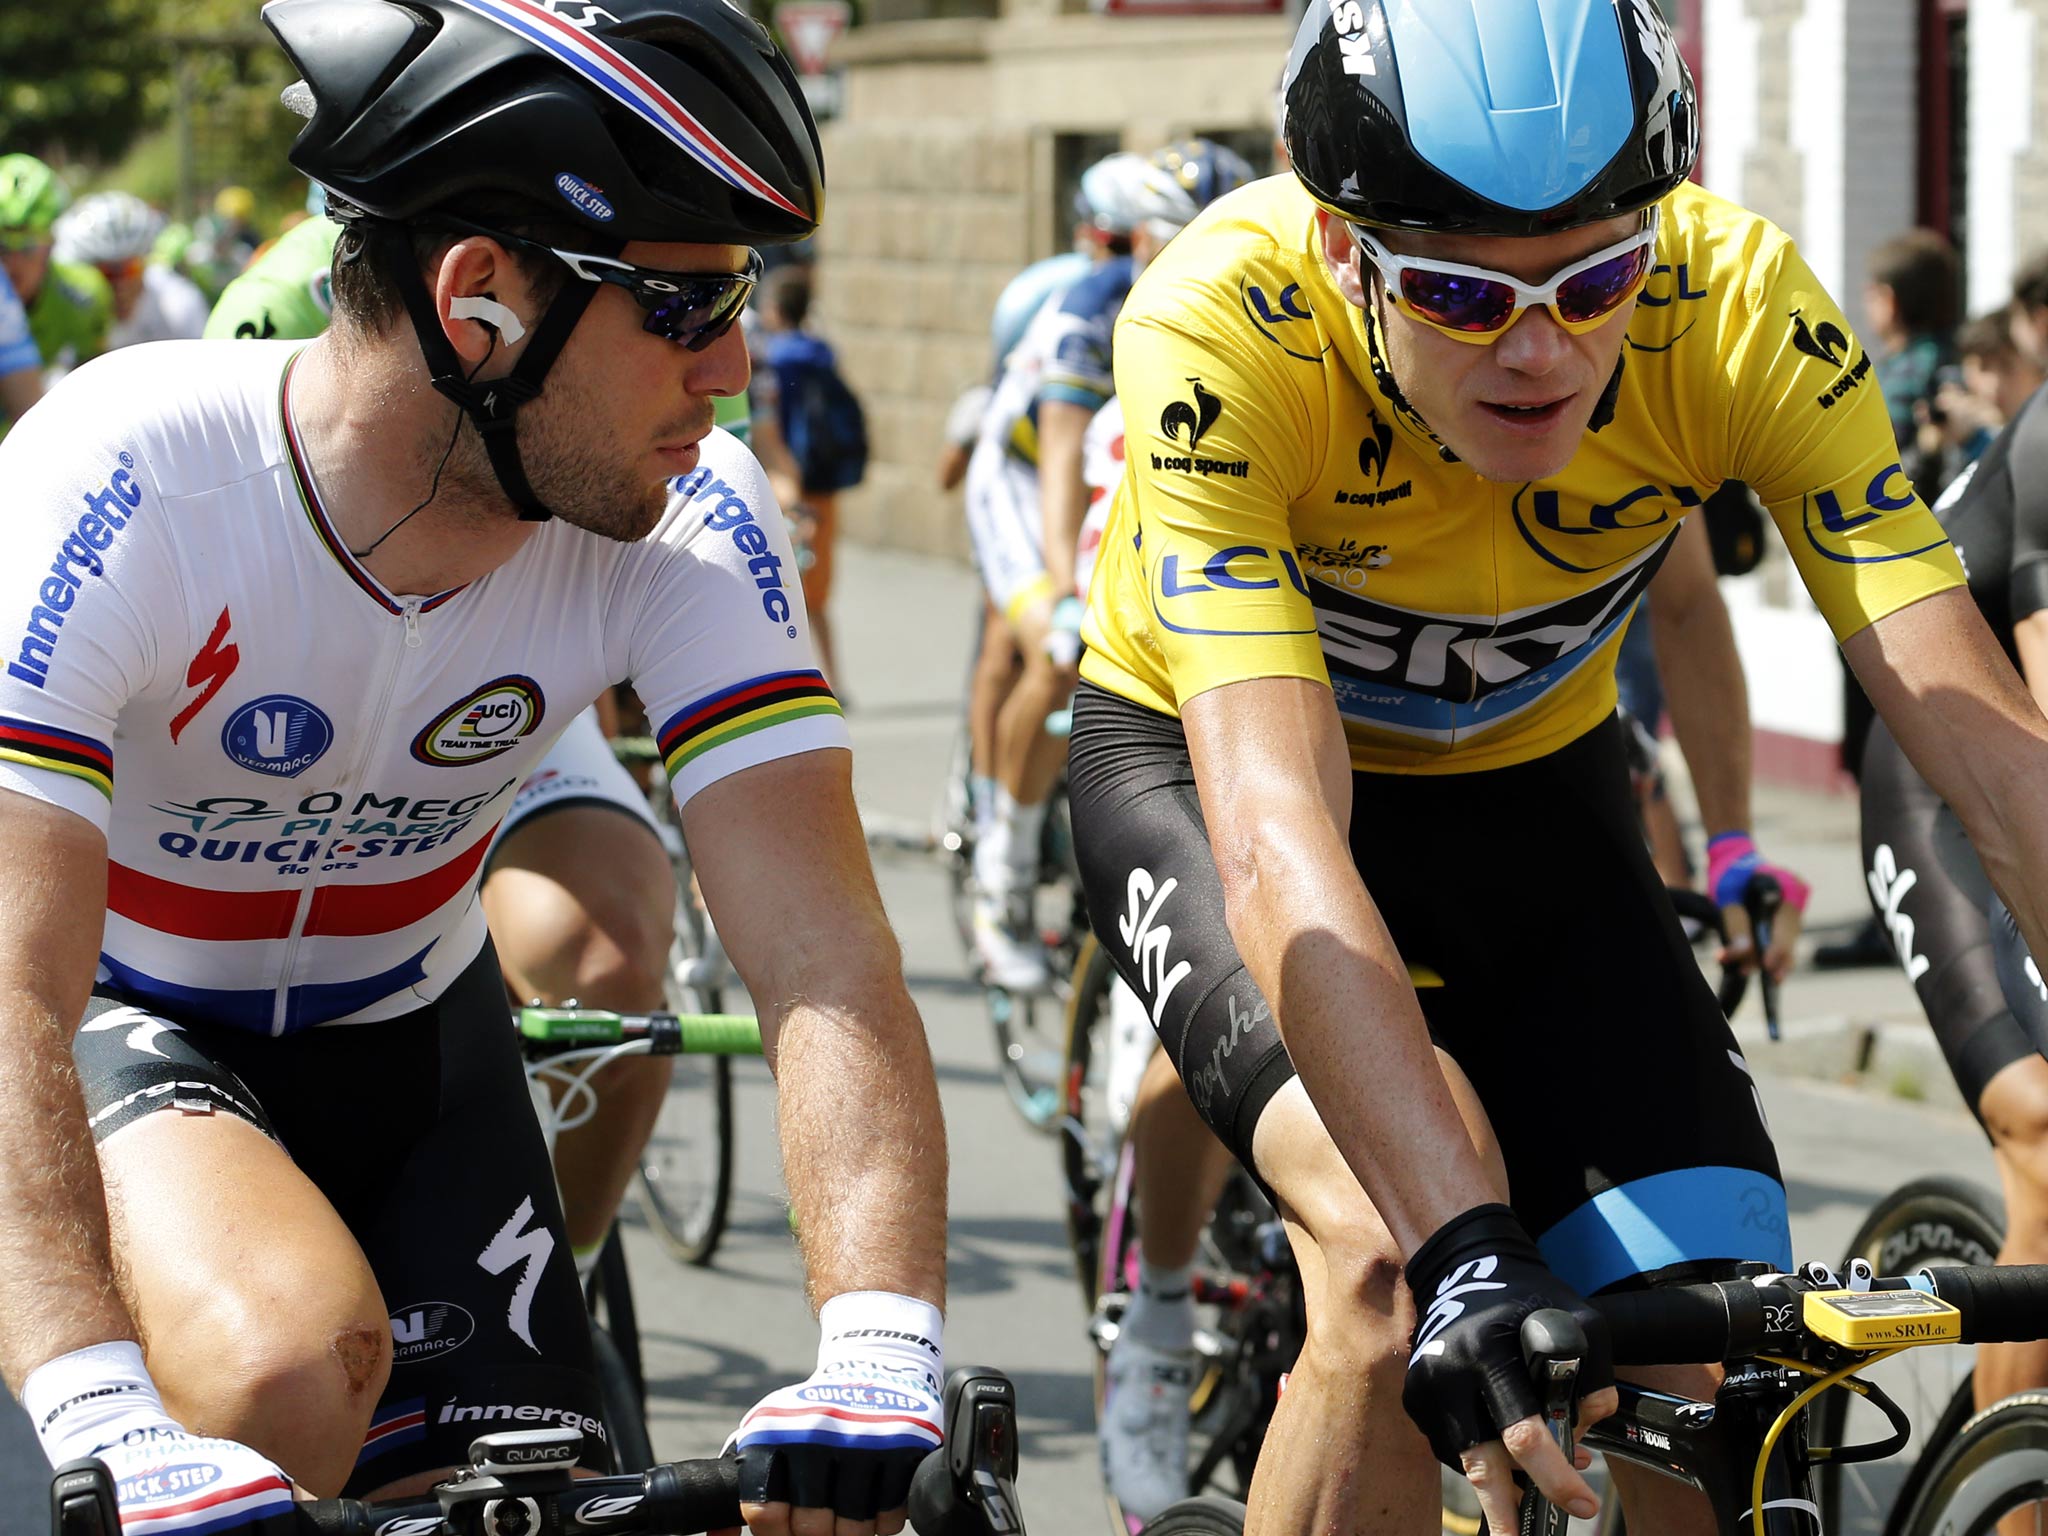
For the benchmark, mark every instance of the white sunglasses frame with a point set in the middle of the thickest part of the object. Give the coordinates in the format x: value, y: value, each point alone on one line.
x: 1390, y: 264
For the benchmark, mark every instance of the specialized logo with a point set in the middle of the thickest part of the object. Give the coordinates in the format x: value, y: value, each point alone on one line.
x: 578, y: 13
x: 516, y: 1245
x: 142, y: 1029
x: 486, y: 724
x: 428, y: 1331
x: 1353, y: 40
x: 1148, y: 939
x: 1195, y: 419
x: 412, y: 1525
x: 1827, y: 344
x: 729, y: 513
x: 279, y: 734
x: 210, y: 669
x: 1888, y: 887
x: 107, y: 514
x: 585, y: 198
x: 1448, y: 1305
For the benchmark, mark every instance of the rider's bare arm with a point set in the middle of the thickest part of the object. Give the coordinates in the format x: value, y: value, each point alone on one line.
x: 1062, y: 492
x: 2030, y: 638
x: 57, y: 1290
x: 19, y: 390
x: 1967, y: 723
x: 1703, y: 682
x: 779, y: 853
x: 1275, y: 783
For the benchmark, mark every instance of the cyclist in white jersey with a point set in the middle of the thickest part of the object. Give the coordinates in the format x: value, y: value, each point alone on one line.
x: 1025, y: 505
x: 115, y: 232
x: 286, y: 633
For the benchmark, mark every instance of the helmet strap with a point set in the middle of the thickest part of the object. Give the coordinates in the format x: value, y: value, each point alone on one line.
x: 492, y: 406
x: 1383, y: 376
x: 1610, y: 397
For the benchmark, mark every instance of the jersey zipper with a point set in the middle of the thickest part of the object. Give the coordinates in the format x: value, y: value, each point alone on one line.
x: 371, y: 738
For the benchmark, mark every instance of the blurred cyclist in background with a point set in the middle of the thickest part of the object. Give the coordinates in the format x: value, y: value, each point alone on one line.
x: 69, y: 306
x: 1026, y: 502
x: 21, y: 365
x: 115, y: 233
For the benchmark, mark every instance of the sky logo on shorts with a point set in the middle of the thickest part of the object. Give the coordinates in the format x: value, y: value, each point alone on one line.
x: 278, y: 735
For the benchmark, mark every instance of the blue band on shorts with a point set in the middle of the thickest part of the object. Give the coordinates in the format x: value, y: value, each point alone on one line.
x: 1683, y: 1216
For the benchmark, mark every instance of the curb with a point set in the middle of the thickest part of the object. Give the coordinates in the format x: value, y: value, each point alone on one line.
x: 1895, y: 1059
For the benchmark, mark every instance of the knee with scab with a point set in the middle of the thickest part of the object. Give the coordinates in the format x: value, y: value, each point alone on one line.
x: 364, y: 1355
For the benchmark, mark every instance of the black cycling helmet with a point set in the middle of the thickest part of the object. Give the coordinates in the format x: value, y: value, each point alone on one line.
x: 672, y: 120
x: 1496, y: 117
x: 656, y: 120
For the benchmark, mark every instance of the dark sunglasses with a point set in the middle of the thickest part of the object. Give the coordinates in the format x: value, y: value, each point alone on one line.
x: 693, y: 309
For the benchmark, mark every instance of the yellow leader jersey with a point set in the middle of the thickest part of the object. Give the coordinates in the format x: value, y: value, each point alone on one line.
x: 1279, y: 516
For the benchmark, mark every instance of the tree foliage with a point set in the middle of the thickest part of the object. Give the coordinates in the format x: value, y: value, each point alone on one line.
x: 76, y: 77
x: 183, y: 92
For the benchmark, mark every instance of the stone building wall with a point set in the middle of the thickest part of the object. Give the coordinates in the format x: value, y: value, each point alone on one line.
x: 940, y: 178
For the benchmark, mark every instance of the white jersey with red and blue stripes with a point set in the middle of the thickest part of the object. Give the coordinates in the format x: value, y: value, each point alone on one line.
x: 298, y: 772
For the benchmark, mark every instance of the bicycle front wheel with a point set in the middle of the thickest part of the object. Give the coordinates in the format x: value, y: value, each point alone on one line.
x: 1928, y: 1222
x: 1207, y: 1516
x: 1087, y: 1142
x: 1992, y: 1477
x: 631, y: 1447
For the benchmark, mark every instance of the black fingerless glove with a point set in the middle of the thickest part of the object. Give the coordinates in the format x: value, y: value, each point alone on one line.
x: 1474, y: 1281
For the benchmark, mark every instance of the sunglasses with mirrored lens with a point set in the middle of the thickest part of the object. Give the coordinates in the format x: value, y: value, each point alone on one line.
x: 1477, y: 303
x: 693, y: 308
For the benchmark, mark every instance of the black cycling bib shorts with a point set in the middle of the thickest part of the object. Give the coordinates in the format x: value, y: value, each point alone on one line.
x: 420, y: 1131
x: 1632, y: 1130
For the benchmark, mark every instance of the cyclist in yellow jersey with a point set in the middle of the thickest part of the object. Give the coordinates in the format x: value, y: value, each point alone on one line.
x: 1407, y: 435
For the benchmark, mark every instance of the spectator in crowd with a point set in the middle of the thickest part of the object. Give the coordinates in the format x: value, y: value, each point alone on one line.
x: 2029, y: 312
x: 826, y: 432
x: 1972, y: 402
x: 1911, y: 301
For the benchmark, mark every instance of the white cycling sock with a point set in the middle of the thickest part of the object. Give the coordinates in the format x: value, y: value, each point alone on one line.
x: 982, y: 792
x: 992, y: 848
x: 1027, y: 824
x: 1161, y: 1313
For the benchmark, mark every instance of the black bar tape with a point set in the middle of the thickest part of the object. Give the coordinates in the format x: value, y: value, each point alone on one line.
x: 2005, y: 1305
x: 1672, y: 1325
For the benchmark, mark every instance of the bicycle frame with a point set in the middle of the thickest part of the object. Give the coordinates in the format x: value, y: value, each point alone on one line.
x: 1714, y: 1446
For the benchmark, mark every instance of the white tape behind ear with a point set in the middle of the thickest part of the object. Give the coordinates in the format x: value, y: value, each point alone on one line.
x: 491, y: 312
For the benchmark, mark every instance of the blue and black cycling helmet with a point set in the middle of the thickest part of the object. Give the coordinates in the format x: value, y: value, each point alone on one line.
x: 1497, y: 117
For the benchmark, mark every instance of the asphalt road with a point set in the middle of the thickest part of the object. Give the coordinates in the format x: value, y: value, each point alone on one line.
x: 718, y: 1339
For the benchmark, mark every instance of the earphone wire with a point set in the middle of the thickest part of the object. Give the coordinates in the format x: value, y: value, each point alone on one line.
x: 433, y: 489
